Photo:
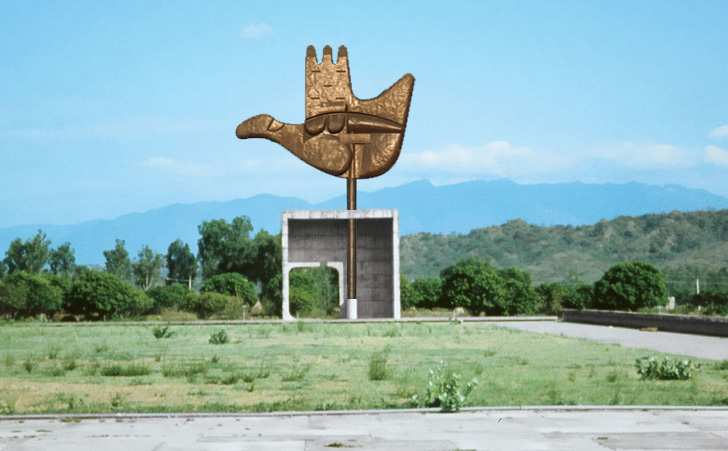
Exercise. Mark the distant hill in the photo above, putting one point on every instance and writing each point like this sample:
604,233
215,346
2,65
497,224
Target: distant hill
423,207
670,241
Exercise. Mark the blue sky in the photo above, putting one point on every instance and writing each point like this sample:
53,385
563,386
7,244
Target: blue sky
114,107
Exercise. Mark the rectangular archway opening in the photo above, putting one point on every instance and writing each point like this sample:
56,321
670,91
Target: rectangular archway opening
314,292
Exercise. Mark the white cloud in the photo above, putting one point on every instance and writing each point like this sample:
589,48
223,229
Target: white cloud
719,133
642,155
716,155
496,158
256,31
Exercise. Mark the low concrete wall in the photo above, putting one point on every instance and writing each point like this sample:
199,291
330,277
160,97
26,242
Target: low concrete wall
700,325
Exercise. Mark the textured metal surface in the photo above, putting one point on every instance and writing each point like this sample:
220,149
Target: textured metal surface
342,135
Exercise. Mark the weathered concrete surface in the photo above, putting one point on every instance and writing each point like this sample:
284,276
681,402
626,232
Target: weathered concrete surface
534,429
319,237
715,348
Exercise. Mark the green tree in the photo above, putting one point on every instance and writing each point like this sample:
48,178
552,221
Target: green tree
147,267
268,257
472,284
28,295
3,269
62,260
30,255
225,248
231,284
630,286
552,296
181,263
100,295
405,293
426,292
118,262
519,295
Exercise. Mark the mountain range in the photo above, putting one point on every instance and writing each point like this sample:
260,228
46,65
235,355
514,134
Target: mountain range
423,207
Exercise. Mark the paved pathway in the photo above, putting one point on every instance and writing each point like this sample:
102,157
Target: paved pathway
535,429
715,348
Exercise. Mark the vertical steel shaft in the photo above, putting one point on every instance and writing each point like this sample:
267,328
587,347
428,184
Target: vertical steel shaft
351,250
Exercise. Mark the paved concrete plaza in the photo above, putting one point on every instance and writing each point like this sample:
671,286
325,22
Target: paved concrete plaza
715,348
531,429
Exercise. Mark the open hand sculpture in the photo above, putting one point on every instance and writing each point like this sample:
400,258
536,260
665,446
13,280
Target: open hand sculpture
342,135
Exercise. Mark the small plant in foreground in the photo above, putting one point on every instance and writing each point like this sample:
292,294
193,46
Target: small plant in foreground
219,338
444,390
162,332
378,365
665,368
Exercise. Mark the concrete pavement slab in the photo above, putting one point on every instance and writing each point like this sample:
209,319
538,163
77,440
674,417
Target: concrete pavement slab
705,347
492,429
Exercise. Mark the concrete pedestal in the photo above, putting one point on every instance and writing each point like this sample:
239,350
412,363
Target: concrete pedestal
313,238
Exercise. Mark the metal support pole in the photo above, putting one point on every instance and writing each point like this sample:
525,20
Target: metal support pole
351,251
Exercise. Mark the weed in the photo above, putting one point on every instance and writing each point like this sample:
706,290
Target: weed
301,326
135,381
665,369
100,347
69,364
378,365
9,359
215,359
73,403
263,370
162,332
612,376
189,370
220,337
29,364
56,370
7,406
294,373
489,353
392,331
117,401
722,365
52,352
444,390
130,369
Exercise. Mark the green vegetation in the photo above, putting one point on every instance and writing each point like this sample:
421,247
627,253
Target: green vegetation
664,369
302,366
630,286
693,244
444,390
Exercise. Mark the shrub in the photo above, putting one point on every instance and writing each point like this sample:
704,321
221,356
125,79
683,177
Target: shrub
98,294
444,390
423,293
630,286
664,369
208,304
219,338
171,296
27,295
162,332
231,284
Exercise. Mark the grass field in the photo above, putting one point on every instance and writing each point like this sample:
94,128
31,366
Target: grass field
317,366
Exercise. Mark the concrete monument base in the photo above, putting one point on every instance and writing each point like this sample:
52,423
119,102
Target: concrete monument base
314,238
